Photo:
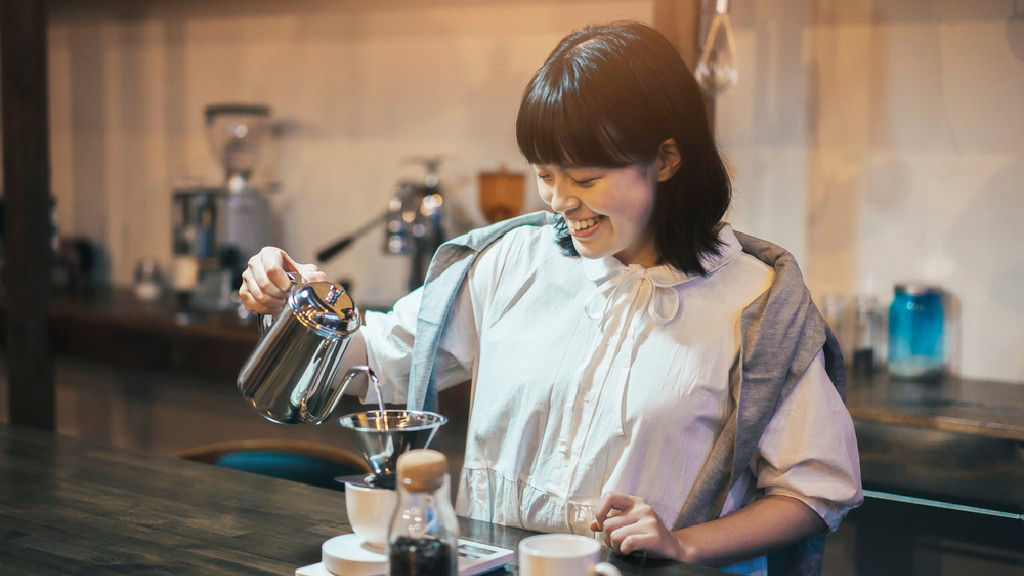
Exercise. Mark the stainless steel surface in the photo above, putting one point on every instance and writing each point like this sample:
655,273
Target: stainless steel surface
382,439
415,221
290,377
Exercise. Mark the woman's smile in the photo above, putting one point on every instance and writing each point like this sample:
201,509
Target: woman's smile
607,210
584,228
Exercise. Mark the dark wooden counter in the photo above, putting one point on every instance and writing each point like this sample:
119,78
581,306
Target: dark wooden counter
69,506
956,440
977,407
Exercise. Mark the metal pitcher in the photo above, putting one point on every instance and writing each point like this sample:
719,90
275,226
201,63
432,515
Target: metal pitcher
291,375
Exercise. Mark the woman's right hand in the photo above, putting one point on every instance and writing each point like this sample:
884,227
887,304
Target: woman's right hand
265,282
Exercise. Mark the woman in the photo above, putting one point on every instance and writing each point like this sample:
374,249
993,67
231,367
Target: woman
639,368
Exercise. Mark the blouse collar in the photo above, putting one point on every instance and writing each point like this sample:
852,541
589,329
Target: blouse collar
615,280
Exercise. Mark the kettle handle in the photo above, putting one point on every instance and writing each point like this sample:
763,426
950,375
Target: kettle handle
266,321
335,398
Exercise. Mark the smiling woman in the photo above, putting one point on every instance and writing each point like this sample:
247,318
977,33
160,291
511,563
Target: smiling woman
606,100
630,348
607,211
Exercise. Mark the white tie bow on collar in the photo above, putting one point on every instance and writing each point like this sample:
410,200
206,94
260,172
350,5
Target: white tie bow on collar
617,281
642,288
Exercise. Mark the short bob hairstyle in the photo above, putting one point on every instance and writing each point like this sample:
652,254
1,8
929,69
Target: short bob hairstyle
608,96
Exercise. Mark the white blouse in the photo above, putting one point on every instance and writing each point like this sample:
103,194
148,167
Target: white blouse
592,376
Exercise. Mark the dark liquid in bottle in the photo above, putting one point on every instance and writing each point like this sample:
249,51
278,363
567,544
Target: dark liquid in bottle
421,557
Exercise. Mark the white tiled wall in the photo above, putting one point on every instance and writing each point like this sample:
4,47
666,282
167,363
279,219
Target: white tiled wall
878,141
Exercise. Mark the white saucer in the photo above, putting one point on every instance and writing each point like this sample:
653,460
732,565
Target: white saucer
349,555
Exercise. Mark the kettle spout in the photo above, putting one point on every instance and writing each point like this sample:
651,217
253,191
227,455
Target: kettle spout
337,393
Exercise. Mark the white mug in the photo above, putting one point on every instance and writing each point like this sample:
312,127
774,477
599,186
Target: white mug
562,555
369,513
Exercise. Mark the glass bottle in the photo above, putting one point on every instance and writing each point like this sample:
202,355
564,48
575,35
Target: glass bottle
424,532
864,343
916,333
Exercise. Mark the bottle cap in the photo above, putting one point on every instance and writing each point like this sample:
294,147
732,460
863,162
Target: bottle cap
422,470
916,288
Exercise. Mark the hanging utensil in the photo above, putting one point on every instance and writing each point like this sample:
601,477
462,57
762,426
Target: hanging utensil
716,69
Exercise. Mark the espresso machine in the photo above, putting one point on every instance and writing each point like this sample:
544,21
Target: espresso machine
217,228
413,221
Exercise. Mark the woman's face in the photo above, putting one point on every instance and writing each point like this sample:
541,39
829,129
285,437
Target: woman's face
608,210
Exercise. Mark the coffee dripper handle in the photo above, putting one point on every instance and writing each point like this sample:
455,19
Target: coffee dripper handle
266,321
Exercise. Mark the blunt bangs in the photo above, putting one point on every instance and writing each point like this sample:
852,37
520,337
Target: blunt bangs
562,120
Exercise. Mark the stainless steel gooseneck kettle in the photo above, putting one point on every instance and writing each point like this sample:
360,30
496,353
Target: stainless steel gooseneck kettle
291,375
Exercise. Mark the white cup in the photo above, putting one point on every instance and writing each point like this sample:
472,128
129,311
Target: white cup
369,513
562,555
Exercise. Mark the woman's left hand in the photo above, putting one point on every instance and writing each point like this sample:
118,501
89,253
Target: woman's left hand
629,524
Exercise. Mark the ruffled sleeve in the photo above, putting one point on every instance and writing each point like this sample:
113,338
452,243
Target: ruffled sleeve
809,449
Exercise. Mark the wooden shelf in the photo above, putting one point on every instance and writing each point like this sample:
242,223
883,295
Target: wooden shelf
115,327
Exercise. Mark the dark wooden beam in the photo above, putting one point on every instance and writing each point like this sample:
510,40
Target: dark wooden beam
26,249
680,21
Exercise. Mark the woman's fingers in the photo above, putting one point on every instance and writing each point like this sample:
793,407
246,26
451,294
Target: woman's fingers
255,298
310,273
642,541
611,504
250,302
271,271
617,536
266,282
613,523
611,526
629,524
304,272
647,533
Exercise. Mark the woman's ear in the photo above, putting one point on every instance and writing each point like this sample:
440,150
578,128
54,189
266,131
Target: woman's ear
668,159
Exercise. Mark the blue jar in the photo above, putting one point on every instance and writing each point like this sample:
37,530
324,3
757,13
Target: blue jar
916,333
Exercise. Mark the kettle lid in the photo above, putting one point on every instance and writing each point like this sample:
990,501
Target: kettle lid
325,308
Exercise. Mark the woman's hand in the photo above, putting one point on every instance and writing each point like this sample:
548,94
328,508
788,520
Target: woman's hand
769,523
629,524
265,282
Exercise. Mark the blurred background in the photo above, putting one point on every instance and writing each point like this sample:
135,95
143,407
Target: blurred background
877,141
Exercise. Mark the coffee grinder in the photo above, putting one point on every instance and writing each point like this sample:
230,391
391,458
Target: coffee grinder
414,223
217,228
